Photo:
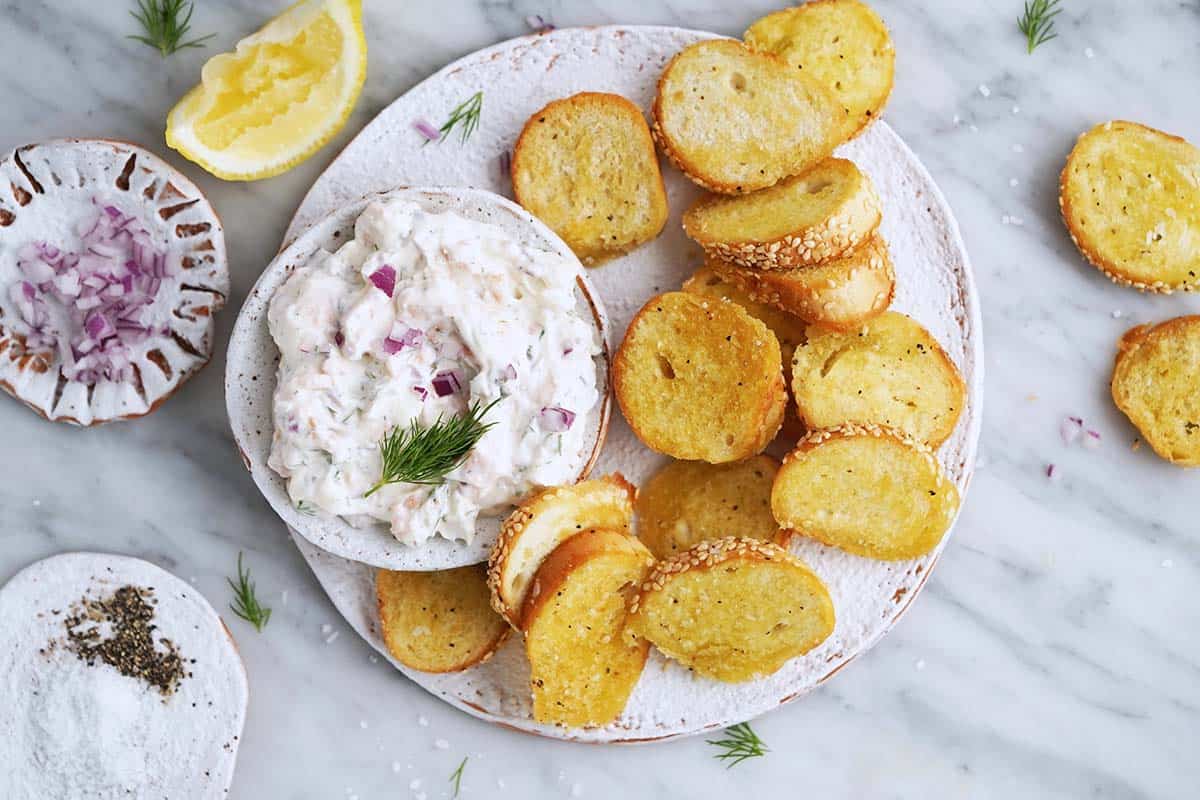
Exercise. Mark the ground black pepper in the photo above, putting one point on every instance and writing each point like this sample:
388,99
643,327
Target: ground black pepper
118,630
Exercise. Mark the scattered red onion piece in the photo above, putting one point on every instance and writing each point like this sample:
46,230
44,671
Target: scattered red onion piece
421,392
339,339
555,419
538,24
1070,428
1051,469
506,163
509,373
384,279
426,129
1091,439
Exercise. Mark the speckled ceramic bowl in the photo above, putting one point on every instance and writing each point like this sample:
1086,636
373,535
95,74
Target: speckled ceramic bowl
253,360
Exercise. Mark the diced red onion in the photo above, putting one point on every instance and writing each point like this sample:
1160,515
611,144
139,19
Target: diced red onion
568,351
506,163
555,419
538,24
103,288
410,338
1051,469
421,392
36,270
447,382
339,339
98,326
509,373
1091,439
384,279
426,129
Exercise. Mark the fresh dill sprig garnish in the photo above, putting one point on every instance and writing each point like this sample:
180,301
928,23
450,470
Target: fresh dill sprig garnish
426,455
467,113
456,777
166,23
740,743
245,604
1037,23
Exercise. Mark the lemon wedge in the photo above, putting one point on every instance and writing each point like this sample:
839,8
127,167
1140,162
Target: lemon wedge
282,94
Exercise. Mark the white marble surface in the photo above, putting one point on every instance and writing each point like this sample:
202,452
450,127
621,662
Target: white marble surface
1056,649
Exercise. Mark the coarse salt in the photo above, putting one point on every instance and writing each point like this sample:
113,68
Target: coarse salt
984,90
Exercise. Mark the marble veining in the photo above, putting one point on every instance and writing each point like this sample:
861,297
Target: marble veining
1056,649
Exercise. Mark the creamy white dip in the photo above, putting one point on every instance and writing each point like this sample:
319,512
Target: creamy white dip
470,315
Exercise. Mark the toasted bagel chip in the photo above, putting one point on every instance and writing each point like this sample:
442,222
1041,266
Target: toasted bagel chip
700,379
438,621
586,166
1156,383
890,372
1130,197
822,213
543,522
687,502
787,327
866,489
841,293
583,666
735,121
841,44
733,609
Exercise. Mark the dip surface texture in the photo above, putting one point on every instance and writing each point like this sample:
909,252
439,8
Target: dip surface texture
420,316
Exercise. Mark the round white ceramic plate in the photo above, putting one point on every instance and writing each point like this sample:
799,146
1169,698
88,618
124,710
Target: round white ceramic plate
935,286
251,366
72,729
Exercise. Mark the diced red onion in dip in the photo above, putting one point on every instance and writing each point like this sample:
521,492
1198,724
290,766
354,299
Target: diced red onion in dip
556,420
410,338
447,382
384,279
